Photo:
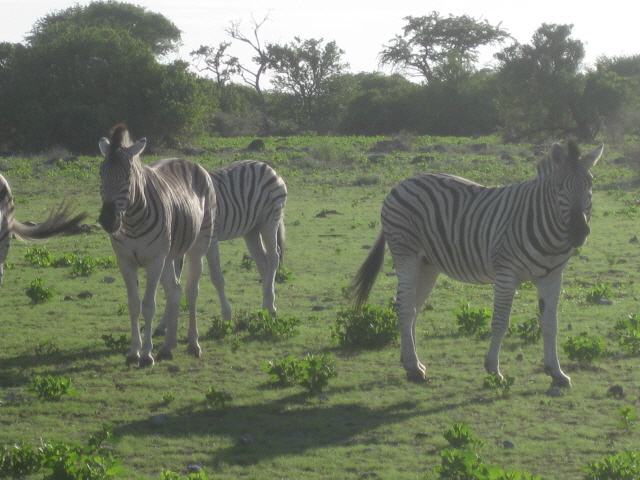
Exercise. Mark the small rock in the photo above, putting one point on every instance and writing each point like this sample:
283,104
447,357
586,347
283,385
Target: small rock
173,368
584,257
554,392
569,327
616,391
366,247
318,308
329,307
10,397
519,357
508,445
194,468
322,397
84,295
109,280
68,298
605,301
246,439
313,298
634,239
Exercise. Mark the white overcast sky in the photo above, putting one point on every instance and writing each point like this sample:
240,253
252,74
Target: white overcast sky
360,28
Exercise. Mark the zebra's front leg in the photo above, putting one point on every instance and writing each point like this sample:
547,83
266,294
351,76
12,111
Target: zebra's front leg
548,297
130,277
154,269
504,290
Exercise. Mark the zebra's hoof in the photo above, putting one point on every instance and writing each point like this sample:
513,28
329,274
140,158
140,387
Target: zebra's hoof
416,375
132,359
563,382
196,351
146,361
164,355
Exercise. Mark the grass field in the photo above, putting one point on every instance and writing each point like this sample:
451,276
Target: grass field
369,422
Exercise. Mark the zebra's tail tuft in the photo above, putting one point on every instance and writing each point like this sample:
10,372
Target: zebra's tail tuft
280,241
59,221
367,273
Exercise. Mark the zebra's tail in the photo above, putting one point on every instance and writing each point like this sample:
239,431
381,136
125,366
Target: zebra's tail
280,241
59,221
366,276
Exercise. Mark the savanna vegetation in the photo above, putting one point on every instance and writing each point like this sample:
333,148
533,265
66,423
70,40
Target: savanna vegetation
305,396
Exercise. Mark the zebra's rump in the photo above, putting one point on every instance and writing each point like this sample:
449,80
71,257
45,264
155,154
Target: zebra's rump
249,194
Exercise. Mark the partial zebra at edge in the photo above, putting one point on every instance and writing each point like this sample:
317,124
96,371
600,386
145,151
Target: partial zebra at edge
60,220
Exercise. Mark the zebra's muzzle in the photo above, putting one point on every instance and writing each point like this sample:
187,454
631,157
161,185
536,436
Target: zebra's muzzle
578,229
109,218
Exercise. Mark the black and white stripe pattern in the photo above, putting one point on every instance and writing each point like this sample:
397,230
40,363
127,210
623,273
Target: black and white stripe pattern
251,197
155,214
436,223
59,221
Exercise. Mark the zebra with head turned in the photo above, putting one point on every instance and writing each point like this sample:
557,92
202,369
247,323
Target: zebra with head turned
438,223
59,221
251,197
155,214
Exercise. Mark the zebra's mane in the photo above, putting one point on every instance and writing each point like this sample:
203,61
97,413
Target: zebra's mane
547,166
119,138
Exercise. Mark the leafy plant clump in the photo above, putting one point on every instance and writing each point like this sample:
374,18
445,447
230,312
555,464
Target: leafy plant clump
39,256
116,344
262,323
460,435
600,292
311,372
621,466
628,416
217,399
283,274
38,293
529,331
628,332
583,348
58,460
472,322
83,267
499,386
373,327
51,389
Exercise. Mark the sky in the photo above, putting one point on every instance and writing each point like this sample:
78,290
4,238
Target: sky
361,28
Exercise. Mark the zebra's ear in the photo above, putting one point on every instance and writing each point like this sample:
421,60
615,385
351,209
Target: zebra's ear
558,154
138,147
592,158
104,146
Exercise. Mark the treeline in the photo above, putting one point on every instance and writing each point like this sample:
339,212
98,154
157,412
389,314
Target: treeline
86,68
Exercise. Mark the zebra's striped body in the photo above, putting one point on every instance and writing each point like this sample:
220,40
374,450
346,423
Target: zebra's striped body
251,198
59,221
155,214
437,223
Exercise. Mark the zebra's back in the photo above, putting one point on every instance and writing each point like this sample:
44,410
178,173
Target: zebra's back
249,194
466,230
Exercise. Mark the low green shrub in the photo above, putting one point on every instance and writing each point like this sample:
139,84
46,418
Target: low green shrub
599,292
473,322
621,466
627,330
39,256
499,386
50,388
38,293
261,323
117,344
373,327
583,348
311,372
528,331
217,399
460,435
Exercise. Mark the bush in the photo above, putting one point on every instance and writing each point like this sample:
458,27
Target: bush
583,348
373,327
262,323
217,399
39,256
51,389
622,466
472,322
38,293
528,331
599,292
459,435
311,372
628,332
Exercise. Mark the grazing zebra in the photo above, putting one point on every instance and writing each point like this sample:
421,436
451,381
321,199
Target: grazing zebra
250,203
59,221
437,223
155,214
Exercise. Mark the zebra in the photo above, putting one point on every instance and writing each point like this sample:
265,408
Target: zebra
155,214
59,221
439,223
251,198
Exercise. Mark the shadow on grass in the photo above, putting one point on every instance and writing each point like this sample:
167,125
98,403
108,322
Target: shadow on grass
16,371
265,431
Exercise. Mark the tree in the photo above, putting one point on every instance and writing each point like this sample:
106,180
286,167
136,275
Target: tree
434,46
306,69
541,83
152,29
69,89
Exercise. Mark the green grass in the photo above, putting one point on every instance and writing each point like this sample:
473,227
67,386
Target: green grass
369,419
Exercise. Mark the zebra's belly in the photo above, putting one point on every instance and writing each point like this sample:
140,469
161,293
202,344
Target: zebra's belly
134,252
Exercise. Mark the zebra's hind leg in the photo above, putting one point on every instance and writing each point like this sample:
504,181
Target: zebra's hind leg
548,296
217,279
162,326
415,282
504,289
266,257
194,272
173,294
